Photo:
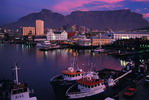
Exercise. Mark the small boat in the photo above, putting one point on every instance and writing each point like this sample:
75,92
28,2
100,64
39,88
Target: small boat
43,44
20,91
89,85
100,50
52,47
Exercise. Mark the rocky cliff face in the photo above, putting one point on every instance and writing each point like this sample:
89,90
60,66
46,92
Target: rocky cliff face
117,20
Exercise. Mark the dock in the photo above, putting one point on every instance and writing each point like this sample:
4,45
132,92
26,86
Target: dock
52,48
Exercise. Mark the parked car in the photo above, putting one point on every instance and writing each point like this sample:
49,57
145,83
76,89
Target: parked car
146,79
130,91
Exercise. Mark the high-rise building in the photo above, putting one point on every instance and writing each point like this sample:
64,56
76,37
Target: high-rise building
39,27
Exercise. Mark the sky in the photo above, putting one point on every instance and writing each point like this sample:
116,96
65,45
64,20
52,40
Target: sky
12,10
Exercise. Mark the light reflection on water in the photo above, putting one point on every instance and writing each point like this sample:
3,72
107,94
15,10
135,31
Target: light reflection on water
37,67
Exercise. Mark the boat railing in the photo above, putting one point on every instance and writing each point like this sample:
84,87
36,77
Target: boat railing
52,79
67,92
116,80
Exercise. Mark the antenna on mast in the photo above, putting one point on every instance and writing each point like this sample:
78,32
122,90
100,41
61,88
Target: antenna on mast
16,74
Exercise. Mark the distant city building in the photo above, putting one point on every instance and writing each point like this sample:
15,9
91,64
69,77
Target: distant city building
39,27
74,28
57,35
82,29
129,35
28,31
1,36
71,34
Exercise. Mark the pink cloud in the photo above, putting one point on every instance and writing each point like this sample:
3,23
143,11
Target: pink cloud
138,10
70,5
146,15
141,0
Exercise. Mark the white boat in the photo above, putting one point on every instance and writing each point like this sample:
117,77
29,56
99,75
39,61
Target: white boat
89,85
100,50
20,91
44,44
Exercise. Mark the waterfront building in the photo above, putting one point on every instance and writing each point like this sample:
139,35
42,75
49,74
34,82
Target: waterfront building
39,27
84,42
101,40
28,31
129,35
58,36
77,37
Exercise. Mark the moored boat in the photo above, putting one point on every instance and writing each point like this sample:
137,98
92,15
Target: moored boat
44,44
89,85
20,91
100,50
66,79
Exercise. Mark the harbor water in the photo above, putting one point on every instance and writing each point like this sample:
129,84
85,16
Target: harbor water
38,67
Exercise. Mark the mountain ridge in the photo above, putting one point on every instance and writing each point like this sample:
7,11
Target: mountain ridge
116,19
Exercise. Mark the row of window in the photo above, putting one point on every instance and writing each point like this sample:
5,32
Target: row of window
20,96
72,75
19,91
90,86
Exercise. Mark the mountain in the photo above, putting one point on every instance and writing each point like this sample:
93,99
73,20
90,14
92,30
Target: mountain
117,19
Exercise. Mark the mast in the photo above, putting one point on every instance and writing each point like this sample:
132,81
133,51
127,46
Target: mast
16,74
100,40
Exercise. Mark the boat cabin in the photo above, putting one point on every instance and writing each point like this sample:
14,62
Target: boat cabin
19,91
90,82
19,88
71,74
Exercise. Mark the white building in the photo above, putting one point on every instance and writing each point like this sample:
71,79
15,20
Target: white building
57,35
129,35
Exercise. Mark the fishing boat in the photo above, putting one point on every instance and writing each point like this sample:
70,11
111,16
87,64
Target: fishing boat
92,84
20,91
66,79
89,85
